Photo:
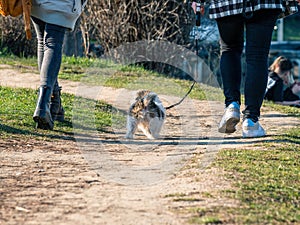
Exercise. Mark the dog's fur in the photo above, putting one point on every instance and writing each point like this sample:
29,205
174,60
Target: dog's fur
147,113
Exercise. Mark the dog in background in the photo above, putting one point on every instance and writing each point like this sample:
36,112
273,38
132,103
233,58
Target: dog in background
147,113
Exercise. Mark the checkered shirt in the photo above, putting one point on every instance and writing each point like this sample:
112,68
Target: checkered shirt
222,8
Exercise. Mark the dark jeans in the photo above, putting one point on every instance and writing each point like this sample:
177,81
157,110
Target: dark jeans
258,32
50,39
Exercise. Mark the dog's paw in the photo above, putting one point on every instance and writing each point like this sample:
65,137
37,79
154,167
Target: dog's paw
128,136
150,136
156,136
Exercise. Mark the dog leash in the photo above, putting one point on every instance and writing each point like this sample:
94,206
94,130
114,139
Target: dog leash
199,10
191,88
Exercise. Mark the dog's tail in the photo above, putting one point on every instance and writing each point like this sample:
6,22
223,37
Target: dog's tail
191,88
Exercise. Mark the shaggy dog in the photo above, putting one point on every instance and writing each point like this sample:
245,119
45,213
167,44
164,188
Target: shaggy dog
147,113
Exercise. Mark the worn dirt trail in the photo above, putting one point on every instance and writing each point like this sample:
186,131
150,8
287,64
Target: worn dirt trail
101,178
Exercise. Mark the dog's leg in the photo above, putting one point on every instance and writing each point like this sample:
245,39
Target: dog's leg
155,127
145,129
131,127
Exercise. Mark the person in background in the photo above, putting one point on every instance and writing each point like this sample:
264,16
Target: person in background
252,21
292,94
290,80
296,71
279,77
51,19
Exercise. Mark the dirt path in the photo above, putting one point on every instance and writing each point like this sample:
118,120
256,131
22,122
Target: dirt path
100,178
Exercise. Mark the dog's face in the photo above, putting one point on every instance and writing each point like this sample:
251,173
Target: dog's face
146,104
146,113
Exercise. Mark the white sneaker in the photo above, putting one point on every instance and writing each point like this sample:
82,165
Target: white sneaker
251,129
230,118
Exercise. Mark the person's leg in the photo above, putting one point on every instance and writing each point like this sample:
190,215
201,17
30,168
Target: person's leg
231,31
53,53
258,39
40,30
39,27
53,41
56,109
50,40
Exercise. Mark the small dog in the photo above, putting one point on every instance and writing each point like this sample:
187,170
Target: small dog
147,113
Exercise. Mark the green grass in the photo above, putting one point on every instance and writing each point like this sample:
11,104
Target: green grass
267,180
17,62
109,74
106,73
17,105
265,184
205,220
17,108
294,111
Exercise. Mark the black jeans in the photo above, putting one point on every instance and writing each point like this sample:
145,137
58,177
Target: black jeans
257,32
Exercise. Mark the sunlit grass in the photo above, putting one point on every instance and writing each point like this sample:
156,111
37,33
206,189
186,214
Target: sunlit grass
18,105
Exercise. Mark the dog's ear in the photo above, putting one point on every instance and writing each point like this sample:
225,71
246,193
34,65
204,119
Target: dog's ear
150,98
140,94
158,103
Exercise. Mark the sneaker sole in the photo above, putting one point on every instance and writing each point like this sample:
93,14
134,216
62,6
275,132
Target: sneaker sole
253,134
229,126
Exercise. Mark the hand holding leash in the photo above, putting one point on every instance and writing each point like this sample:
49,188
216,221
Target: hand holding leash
199,11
